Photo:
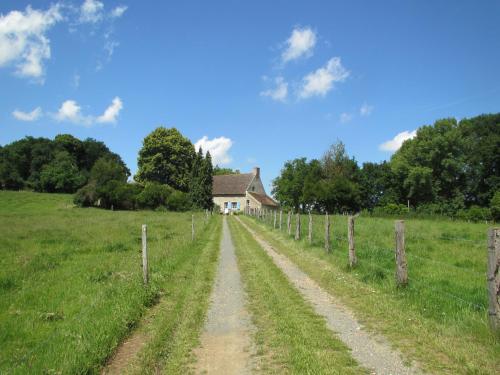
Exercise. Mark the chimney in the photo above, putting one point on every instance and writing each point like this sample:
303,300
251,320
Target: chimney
256,172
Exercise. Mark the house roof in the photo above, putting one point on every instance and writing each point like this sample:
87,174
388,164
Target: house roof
231,184
264,199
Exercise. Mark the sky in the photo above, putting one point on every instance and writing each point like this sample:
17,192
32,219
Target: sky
255,82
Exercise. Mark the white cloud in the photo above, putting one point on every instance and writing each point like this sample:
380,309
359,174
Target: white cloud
218,148
366,109
395,143
345,117
23,39
71,111
27,116
300,43
280,92
118,11
91,11
321,81
112,112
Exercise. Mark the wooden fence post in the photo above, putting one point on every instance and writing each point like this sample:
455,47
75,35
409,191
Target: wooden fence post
350,236
327,233
192,227
145,254
275,214
493,278
297,227
289,223
281,218
401,265
310,235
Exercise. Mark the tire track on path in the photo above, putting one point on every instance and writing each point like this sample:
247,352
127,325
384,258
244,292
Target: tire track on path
371,351
226,345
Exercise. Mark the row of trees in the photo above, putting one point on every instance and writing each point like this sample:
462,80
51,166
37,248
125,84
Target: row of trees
61,165
448,168
170,175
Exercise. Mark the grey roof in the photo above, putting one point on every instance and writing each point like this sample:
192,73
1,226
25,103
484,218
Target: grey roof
231,184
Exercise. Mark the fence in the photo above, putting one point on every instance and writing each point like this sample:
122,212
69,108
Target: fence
415,257
88,310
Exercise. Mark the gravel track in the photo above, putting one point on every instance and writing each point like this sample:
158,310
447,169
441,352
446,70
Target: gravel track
371,351
226,345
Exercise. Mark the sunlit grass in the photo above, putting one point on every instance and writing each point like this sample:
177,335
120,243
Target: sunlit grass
441,317
71,279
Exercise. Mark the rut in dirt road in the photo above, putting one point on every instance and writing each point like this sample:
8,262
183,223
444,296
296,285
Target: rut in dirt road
226,345
372,352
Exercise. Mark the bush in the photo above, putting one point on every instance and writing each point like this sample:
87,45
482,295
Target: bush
475,213
118,194
495,206
154,195
86,196
178,201
391,209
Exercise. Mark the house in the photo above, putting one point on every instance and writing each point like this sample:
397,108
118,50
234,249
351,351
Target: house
241,192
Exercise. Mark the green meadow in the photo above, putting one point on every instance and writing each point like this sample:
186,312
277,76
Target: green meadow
440,318
71,280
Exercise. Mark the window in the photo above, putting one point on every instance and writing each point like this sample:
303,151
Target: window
234,205
248,202
225,204
253,188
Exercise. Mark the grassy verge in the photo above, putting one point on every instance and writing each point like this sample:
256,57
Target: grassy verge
290,337
178,321
425,320
70,279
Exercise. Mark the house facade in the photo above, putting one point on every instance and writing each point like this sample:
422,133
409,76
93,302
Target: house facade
241,192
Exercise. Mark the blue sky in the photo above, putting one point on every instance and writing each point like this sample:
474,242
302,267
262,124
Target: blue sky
258,82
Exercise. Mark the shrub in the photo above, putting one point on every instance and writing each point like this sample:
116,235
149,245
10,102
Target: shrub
391,209
495,206
154,195
178,201
475,213
86,196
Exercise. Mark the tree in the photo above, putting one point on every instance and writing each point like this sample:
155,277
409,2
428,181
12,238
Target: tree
288,187
207,182
61,175
196,180
23,160
217,171
376,185
166,157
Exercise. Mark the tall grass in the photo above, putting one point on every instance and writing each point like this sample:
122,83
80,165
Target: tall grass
70,278
446,296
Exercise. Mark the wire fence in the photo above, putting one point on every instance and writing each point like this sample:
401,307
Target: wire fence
433,271
85,314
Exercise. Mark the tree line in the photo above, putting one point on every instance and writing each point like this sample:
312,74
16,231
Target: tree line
171,173
450,168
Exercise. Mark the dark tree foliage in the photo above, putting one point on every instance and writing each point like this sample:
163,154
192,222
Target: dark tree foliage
196,190
61,175
450,168
217,171
166,157
208,202
200,185
45,165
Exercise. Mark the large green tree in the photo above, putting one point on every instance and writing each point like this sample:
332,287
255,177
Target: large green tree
166,157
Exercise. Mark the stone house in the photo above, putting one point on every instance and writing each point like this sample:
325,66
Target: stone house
241,192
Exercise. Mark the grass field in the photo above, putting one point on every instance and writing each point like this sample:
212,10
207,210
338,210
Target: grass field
290,337
71,281
440,319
